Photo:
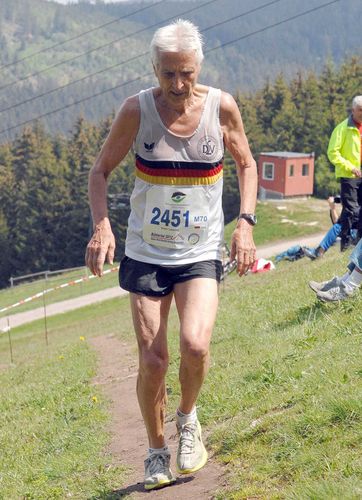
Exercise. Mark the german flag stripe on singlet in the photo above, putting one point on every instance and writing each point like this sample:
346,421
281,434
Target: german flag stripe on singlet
178,172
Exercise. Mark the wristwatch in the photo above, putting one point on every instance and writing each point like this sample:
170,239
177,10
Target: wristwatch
251,218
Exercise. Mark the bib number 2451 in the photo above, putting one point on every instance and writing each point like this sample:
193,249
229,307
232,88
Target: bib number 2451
173,218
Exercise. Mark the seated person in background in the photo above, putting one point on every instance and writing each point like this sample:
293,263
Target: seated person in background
332,235
342,287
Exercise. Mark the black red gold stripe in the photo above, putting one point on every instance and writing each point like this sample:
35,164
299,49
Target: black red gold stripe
178,173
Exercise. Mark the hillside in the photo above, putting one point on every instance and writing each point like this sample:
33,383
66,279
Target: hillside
281,405
117,54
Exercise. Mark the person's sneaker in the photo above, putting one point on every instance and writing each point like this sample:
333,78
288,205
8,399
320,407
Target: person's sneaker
323,286
310,252
191,453
339,292
157,471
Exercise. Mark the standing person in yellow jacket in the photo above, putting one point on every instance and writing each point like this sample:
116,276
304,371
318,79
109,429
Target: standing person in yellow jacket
345,152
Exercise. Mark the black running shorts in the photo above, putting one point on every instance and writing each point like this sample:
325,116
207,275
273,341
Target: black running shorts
156,281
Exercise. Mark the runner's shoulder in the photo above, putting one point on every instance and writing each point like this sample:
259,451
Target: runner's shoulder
130,111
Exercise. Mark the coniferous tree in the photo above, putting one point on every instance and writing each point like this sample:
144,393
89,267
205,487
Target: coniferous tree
248,106
82,150
286,121
5,200
39,200
231,197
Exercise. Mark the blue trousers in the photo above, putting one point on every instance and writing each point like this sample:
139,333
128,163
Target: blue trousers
356,256
331,236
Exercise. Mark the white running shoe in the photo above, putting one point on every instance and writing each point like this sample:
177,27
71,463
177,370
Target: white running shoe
323,286
339,292
157,471
191,453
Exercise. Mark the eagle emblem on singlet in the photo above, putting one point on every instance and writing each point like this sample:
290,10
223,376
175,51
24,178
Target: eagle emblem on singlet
149,147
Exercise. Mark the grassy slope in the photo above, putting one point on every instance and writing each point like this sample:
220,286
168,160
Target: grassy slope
283,396
284,391
10,296
52,420
285,219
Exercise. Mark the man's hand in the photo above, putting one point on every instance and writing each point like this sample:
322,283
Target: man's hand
331,203
356,172
243,247
100,248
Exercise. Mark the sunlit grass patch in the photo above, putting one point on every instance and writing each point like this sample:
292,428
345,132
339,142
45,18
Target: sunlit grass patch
53,421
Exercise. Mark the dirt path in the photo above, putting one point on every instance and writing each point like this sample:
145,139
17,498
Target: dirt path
117,372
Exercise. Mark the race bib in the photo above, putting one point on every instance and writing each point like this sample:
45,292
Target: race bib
176,217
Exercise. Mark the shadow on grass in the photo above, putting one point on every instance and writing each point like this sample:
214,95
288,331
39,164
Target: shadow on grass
305,314
138,488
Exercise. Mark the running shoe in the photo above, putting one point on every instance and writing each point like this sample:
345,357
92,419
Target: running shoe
323,286
191,453
339,292
157,471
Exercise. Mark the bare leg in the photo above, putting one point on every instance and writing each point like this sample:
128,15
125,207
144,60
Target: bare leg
150,315
196,302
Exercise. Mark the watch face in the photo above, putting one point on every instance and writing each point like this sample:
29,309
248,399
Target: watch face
251,218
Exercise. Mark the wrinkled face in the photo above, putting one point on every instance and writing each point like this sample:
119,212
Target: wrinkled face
177,74
357,114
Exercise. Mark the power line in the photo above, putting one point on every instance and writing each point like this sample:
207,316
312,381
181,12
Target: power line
276,24
261,30
22,79
77,102
31,99
251,11
72,83
76,37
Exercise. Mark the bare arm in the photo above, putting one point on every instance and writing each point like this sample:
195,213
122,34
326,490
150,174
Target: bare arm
242,244
332,209
119,141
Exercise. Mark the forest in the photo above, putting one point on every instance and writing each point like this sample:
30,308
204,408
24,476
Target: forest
44,215
58,62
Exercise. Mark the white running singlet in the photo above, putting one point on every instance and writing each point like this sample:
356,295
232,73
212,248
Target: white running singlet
176,204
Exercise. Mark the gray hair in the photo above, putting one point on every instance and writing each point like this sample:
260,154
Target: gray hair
357,101
179,36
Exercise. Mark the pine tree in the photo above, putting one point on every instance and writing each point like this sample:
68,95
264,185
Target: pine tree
39,193
5,200
82,150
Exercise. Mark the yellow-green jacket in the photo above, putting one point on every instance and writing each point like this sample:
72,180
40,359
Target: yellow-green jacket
344,149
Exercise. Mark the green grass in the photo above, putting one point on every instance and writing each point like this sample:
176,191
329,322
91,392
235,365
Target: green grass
12,295
53,421
284,219
284,391
282,401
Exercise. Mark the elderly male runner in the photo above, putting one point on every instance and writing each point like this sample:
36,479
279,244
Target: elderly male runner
175,230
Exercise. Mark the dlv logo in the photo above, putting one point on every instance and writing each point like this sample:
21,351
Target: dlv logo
208,148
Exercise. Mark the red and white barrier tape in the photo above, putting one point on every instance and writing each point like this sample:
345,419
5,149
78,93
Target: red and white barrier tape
64,285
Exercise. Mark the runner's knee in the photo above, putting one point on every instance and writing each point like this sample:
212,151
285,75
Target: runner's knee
153,364
194,350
